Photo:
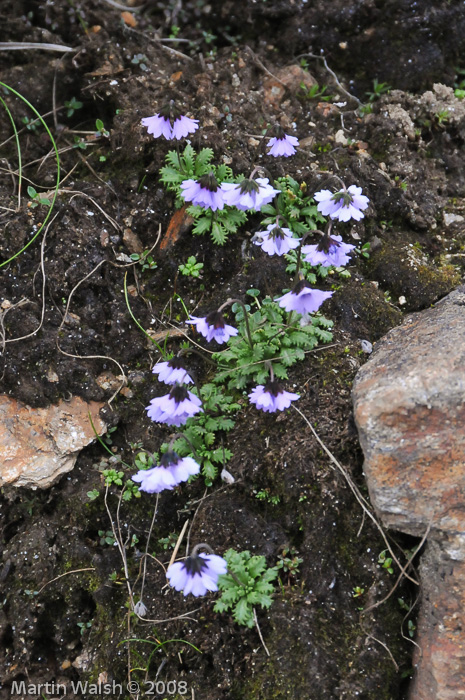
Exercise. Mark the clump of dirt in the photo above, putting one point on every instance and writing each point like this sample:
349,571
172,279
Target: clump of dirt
67,330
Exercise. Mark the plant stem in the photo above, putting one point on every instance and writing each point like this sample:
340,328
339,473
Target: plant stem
246,316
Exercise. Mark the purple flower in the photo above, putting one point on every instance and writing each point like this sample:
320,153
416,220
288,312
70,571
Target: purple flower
172,372
277,240
155,480
342,205
329,251
271,397
213,327
171,472
174,408
248,194
197,574
282,145
205,192
161,125
303,299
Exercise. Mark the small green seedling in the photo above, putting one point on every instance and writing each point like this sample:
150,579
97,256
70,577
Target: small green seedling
106,537
36,198
100,129
289,562
386,562
145,260
192,268
72,105
378,90
30,124
84,626
140,59
170,541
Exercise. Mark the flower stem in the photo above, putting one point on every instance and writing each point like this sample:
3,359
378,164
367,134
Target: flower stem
177,436
246,317
201,545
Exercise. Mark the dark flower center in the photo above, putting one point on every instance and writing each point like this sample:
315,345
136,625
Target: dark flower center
178,393
247,186
169,111
273,388
299,287
169,459
195,565
209,182
343,195
215,319
280,134
277,232
176,363
326,243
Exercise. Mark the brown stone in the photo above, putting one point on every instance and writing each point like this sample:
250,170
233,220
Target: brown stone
290,77
409,403
37,445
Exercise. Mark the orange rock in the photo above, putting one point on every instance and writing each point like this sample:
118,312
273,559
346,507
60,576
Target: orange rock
180,222
409,408
129,19
290,77
37,445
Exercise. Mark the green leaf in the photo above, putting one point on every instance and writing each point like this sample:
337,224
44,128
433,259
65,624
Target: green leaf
209,470
202,225
168,175
243,614
218,234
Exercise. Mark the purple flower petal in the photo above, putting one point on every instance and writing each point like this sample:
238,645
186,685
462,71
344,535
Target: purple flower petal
271,397
282,146
276,240
174,408
248,194
172,372
213,327
158,126
155,480
342,205
202,196
184,469
197,574
183,126
337,255
303,299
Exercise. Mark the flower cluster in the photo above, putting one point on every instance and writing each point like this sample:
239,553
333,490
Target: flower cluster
172,471
197,574
250,194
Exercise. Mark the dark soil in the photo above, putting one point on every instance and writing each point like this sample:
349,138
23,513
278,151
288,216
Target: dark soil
111,205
